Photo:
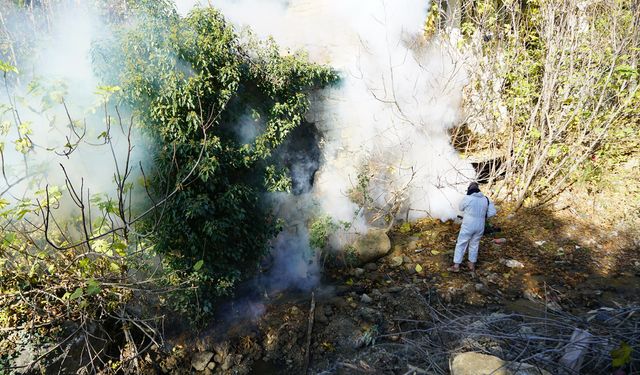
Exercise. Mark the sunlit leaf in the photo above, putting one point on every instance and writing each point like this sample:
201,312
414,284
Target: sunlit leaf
76,294
93,287
198,265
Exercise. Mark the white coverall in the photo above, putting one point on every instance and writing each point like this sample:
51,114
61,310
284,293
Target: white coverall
476,207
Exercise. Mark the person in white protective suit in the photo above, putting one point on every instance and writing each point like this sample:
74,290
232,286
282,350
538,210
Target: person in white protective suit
476,208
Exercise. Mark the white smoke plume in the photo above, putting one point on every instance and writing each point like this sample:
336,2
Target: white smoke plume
60,73
397,98
385,125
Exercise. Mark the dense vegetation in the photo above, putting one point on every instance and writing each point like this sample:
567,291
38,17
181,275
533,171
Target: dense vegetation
74,262
554,92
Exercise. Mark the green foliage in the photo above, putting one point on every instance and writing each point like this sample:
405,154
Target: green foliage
320,230
405,228
79,284
431,24
7,68
621,356
189,81
350,255
559,83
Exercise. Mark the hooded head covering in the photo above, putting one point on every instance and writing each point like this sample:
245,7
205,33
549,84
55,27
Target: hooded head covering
473,188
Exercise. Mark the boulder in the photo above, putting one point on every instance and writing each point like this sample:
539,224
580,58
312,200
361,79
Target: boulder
371,246
471,363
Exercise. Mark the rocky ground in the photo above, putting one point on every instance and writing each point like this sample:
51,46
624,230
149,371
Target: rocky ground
550,271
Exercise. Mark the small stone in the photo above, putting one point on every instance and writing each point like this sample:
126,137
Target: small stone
370,266
475,363
374,276
413,244
397,249
294,310
358,272
499,241
365,299
217,358
406,259
369,315
540,243
227,363
479,287
410,268
328,310
394,289
512,263
211,365
396,261
200,360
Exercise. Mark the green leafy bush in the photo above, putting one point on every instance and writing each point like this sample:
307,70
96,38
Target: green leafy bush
190,81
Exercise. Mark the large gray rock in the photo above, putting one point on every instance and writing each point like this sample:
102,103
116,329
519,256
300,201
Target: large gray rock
371,246
471,363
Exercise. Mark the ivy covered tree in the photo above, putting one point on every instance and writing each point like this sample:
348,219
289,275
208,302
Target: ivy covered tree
195,85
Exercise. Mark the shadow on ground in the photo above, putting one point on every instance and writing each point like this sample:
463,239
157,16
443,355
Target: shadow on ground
406,314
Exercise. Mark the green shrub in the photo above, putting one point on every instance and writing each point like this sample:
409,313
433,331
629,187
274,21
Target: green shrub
190,81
